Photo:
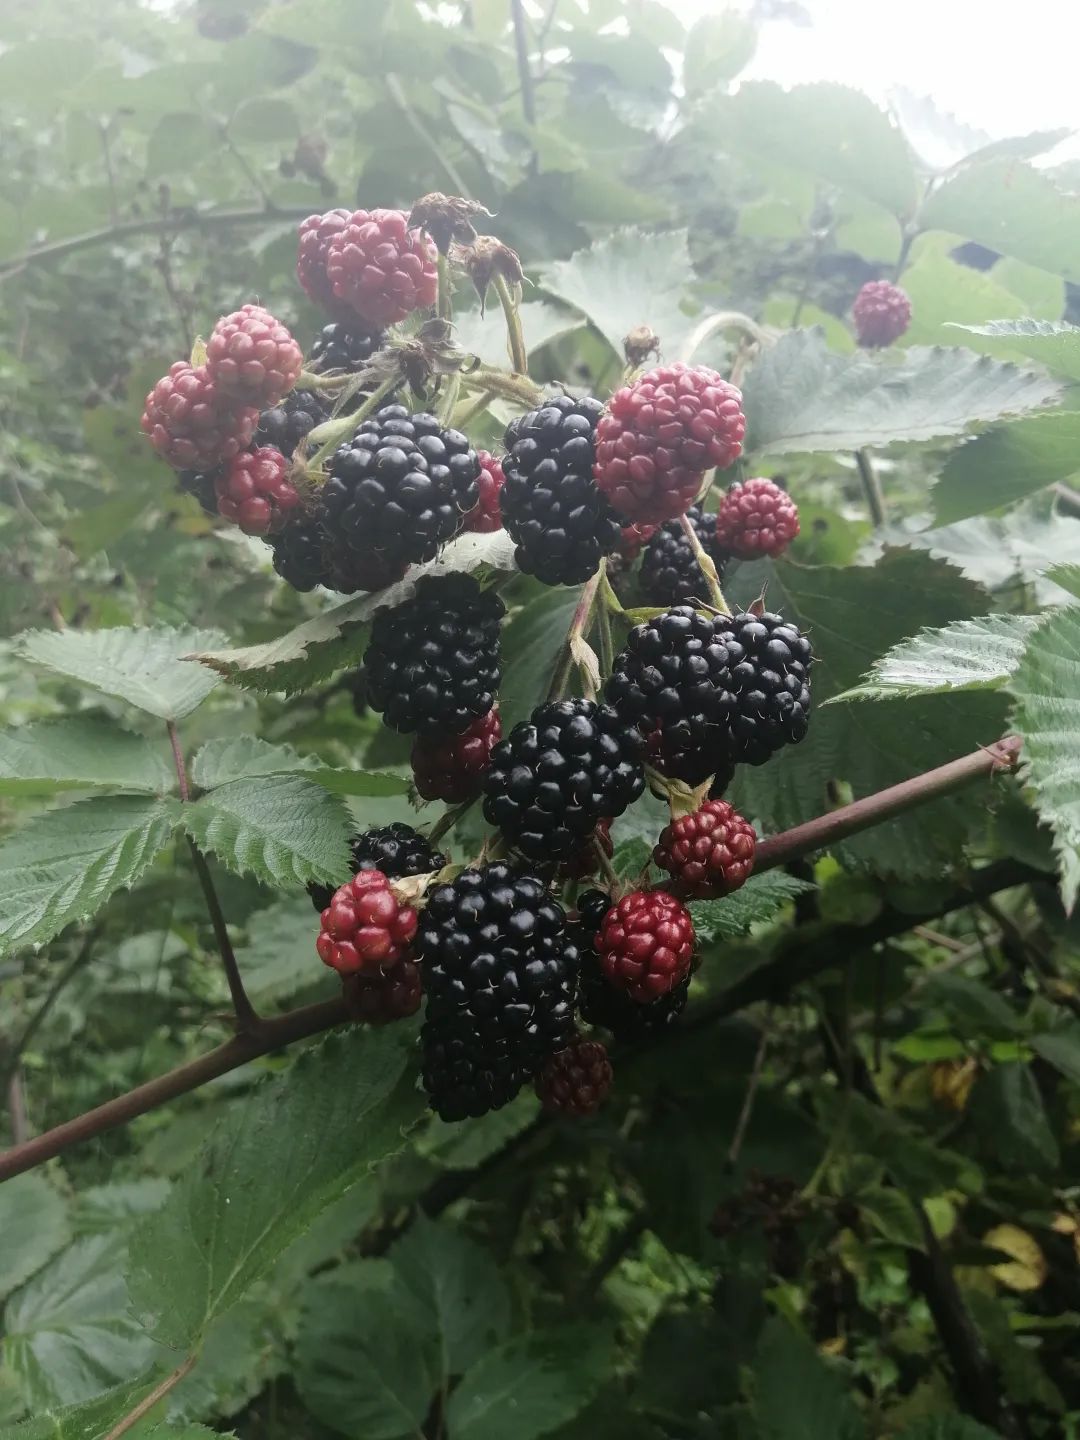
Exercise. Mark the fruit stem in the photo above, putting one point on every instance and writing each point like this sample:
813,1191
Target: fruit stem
705,564
510,387
469,414
448,819
449,398
444,304
329,435
578,625
603,623
519,355
721,320
147,1404
875,496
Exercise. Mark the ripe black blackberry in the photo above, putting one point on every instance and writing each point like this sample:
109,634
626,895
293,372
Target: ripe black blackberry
300,554
286,424
670,573
345,347
397,850
674,680
201,485
603,1004
770,662
400,488
432,664
500,972
571,764
551,504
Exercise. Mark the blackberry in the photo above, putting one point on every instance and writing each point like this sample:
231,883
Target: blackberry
577,1080
200,484
601,1004
670,573
551,505
397,850
500,966
288,423
571,764
432,664
345,347
770,662
300,555
674,680
400,487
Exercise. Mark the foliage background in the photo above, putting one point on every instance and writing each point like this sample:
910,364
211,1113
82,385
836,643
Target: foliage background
920,1080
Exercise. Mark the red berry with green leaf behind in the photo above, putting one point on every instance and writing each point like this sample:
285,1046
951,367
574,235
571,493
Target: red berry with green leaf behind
646,944
882,313
710,852
365,928
253,357
756,518
659,436
385,996
577,1080
380,268
633,537
486,515
191,424
452,768
254,491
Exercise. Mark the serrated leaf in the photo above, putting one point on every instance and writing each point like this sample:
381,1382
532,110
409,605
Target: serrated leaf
796,1395
464,1147
144,667
543,1379
1061,1048
531,644
1068,577
283,1154
65,864
68,1333
314,650
919,1165
630,277
34,1224
1008,464
241,756
827,130
1010,1117
967,655
283,829
105,1207
801,397
485,335
893,1216
89,1421
276,960
1046,690
457,1284
1052,343
80,753
757,902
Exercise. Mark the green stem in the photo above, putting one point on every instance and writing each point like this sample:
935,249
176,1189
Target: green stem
448,820
330,434
444,305
449,397
511,387
706,565
603,623
576,632
875,497
519,356
478,407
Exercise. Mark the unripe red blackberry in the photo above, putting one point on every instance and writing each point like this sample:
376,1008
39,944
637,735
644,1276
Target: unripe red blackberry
397,850
882,313
432,664
344,347
383,997
571,764
632,538
253,357
756,518
606,1005
659,436
255,492
191,424
314,238
577,1080
365,927
646,944
711,851
380,268
452,767
486,515
551,506
670,573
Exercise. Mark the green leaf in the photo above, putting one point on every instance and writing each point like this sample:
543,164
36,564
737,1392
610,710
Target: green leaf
283,829
464,1147
975,1010
947,1427
1068,577
758,901
542,1379
826,130
282,1155
1046,689
68,1333
1007,465
800,397
1025,544
1012,208
241,756
628,278
104,1207
34,1224
943,291
1052,343
1061,1048
65,864
797,1396
314,650
717,48
457,1285
919,1165
893,1216
180,142
1009,1115
89,1421
276,960
144,667
264,120
967,655
485,335
365,1361
531,644
80,753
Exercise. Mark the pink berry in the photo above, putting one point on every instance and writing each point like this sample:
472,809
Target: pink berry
711,852
380,268
882,313
191,423
253,356
645,944
365,927
756,518
486,515
254,491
